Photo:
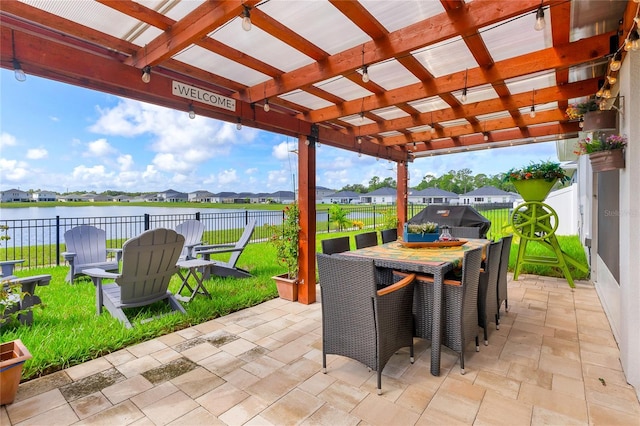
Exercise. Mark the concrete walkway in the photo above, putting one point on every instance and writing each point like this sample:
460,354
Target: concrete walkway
553,361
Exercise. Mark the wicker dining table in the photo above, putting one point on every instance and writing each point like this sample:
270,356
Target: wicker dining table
436,261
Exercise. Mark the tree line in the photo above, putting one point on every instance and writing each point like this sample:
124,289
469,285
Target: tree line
457,181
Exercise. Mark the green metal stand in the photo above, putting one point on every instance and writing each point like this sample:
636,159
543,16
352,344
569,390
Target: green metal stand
535,221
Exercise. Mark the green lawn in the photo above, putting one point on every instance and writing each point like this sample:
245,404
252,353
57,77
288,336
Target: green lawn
67,331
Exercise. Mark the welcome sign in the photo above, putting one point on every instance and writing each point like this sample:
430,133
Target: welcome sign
196,94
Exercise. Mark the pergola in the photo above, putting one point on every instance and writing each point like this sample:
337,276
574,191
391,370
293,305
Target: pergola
391,79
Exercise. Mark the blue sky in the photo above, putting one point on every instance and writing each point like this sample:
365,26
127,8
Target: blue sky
58,137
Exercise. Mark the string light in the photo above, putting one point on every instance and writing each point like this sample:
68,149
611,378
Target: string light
532,114
18,72
246,18
540,22
266,106
464,91
239,124
365,74
146,74
192,113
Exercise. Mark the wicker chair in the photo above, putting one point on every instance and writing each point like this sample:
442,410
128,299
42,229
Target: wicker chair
389,235
502,276
460,308
488,287
335,245
359,321
367,239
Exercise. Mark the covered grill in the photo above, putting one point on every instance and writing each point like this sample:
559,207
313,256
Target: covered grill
453,216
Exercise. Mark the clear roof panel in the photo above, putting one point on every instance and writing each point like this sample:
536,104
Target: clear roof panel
391,75
452,123
344,88
418,129
305,99
219,65
261,45
493,116
357,120
446,57
397,14
516,37
433,103
390,113
175,10
389,133
531,82
317,21
477,94
90,14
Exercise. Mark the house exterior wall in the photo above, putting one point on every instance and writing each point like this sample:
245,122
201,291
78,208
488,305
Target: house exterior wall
14,195
620,300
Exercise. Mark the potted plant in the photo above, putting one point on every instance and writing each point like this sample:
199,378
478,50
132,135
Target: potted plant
285,239
420,232
13,354
534,181
577,111
604,153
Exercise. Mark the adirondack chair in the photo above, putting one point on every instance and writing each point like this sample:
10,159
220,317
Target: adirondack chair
87,248
228,269
24,301
192,231
148,263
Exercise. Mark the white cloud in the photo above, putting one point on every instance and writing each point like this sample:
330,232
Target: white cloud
251,171
125,162
171,163
13,170
282,151
227,177
280,180
37,153
99,148
7,140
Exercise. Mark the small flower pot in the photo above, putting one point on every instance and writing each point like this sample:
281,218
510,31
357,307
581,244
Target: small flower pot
287,287
604,161
534,189
12,356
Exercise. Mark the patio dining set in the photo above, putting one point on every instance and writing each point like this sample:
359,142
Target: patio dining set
377,298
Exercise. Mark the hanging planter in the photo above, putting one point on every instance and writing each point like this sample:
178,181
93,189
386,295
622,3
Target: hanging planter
604,161
606,119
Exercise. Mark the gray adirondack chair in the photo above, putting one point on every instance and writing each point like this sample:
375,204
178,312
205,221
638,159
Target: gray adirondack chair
192,231
148,263
87,248
229,268
24,301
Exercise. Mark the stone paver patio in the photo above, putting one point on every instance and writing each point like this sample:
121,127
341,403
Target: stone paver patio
553,361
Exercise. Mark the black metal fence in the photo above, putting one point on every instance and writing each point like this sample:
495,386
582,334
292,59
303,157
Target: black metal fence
41,241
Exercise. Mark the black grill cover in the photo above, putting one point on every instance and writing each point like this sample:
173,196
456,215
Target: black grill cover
453,216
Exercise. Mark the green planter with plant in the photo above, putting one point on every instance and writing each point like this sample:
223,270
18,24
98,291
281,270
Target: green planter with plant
535,181
285,239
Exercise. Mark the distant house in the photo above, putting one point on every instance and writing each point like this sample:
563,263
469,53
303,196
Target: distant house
171,196
322,192
431,196
43,196
14,195
342,197
283,197
201,196
95,198
487,194
384,195
121,198
226,197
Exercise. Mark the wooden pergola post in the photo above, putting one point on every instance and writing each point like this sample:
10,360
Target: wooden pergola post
307,204
402,191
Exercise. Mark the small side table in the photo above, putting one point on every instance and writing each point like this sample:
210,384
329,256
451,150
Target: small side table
196,268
